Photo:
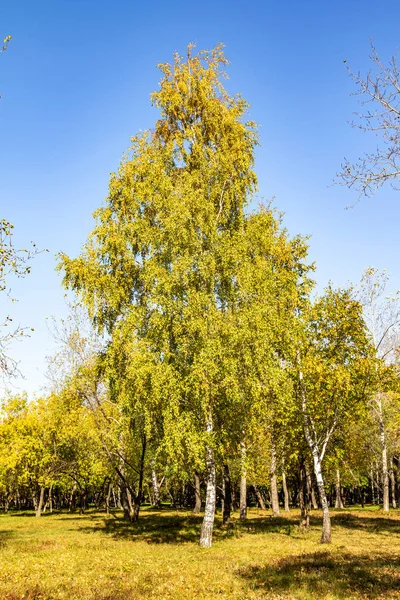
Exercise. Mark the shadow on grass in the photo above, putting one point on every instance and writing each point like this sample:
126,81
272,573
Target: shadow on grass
321,573
159,528
4,536
371,524
152,528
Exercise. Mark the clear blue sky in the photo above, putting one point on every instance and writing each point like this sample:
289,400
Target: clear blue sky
75,85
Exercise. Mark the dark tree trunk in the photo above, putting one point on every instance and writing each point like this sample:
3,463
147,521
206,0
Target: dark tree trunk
226,513
259,497
197,493
138,498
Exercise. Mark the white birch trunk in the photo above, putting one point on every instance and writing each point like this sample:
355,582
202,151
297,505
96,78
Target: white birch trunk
156,489
243,482
326,519
393,484
274,485
385,474
285,489
209,509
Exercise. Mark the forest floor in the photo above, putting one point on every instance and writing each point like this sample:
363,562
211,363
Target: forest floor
91,557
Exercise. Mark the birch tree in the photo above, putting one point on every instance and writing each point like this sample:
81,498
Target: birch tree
331,375
382,315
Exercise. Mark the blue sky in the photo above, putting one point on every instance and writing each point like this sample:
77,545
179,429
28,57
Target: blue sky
75,85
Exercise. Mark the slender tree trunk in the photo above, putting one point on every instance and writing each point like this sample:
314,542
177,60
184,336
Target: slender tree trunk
138,498
326,519
385,475
156,489
243,482
274,486
304,497
226,513
40,503
197,493
126,501
259,497
338,499
72,498
209,509
310,487
372,488
285,489
378,486
392,484
108,497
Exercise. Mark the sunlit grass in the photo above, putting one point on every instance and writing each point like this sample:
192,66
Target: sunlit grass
88,556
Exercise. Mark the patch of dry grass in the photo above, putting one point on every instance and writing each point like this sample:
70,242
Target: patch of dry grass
87,557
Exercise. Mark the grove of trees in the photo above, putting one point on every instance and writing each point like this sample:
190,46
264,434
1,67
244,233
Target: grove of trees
198,366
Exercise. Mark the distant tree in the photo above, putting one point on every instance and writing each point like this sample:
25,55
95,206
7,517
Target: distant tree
380,98
382,315
13,262
333,360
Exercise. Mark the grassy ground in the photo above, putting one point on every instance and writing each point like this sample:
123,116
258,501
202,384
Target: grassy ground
70,556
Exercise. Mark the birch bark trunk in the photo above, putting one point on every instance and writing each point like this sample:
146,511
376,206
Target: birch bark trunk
326,537
274,486
243,483
156,489
338,499
392,484
285,489
382,435
209,509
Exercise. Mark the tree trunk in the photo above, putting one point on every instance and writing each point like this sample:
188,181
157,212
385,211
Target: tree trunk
243,482
385,474
326,519
392,484
108,497
260,499
372,488
310,487
285,489
126,501
156,489
40,503
226,513
138,497
338,499
274,486
304,497
197,493
72,498
209,509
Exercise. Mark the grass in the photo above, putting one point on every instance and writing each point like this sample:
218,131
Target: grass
89,557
